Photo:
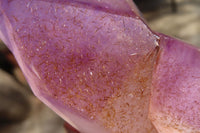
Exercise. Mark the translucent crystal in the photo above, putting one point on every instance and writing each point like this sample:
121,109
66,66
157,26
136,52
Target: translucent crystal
91,62
175,99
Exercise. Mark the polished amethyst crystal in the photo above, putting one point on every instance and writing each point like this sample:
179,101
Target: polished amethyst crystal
92,62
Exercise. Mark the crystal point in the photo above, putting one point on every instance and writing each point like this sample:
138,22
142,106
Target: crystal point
85,60
175,99
92,62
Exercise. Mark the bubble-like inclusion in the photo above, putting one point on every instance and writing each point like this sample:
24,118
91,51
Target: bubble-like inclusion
90,63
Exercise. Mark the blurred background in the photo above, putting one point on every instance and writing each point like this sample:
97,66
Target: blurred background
22,112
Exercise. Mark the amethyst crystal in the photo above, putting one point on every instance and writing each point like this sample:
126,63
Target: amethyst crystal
175,99
92,62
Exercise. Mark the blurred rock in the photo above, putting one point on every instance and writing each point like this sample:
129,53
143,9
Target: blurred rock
14,103
5,64
149,5
40,120
185,24
20,77
2,46
21,112
10,65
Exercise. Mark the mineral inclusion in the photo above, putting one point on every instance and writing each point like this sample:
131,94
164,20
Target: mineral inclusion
98,65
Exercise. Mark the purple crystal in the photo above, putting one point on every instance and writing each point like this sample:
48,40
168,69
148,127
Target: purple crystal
92,61
175,99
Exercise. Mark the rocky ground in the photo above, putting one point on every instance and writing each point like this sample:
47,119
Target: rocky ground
22,112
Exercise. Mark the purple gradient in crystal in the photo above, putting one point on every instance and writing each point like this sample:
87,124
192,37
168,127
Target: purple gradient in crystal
92,62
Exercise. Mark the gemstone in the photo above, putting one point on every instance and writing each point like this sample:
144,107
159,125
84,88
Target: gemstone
175,99
91,61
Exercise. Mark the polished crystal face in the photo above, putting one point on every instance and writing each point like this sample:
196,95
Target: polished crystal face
92,62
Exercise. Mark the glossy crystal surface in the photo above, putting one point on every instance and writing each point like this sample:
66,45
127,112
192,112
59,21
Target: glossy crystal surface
92,62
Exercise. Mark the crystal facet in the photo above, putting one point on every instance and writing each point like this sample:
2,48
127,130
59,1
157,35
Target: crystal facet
92,62
175,96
